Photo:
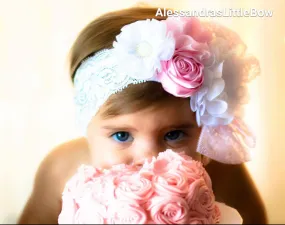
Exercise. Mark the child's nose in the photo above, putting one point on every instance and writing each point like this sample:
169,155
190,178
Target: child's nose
146,150
140,161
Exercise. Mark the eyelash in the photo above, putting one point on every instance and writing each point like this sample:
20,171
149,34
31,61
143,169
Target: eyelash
112,136
179,137
180,133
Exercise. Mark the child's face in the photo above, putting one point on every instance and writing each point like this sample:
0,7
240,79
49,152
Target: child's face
133,137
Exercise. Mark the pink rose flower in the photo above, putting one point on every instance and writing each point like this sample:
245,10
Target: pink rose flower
145,167
168,210
168,160
172,183
84,175
118,172
198,218
162,164
82,192
135,189
103,189
90,213
123,168
87,173
183,74
69,208
169,189
201,198
124,213
171,156
207,179
216,215
194,171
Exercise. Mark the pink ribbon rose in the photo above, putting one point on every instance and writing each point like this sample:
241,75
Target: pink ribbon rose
183,74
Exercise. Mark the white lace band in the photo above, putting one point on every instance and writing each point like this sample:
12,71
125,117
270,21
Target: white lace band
189,63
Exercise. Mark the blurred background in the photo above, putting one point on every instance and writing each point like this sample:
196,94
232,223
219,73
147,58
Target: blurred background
36,105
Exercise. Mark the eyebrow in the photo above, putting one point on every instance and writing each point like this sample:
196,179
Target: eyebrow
172,126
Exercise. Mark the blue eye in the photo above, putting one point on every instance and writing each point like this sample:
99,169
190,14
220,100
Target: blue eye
122,137
174,135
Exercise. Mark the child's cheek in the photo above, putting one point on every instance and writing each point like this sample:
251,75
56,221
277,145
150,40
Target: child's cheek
105,153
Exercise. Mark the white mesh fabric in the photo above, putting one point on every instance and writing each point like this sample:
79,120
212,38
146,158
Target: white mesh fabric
95,81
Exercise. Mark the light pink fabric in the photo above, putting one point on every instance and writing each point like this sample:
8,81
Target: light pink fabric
183,74
228,144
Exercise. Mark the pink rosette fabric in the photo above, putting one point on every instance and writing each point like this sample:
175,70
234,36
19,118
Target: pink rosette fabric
169,189
183,74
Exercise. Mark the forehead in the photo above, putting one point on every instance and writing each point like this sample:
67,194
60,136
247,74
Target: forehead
165,114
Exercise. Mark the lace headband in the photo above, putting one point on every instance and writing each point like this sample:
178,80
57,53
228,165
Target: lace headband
188,60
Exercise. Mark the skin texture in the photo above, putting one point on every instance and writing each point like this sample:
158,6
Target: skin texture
149,130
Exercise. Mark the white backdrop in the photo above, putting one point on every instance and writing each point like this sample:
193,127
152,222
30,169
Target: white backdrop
36,108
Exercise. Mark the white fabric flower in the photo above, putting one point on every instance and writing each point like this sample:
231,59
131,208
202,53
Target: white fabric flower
141,46
210,102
